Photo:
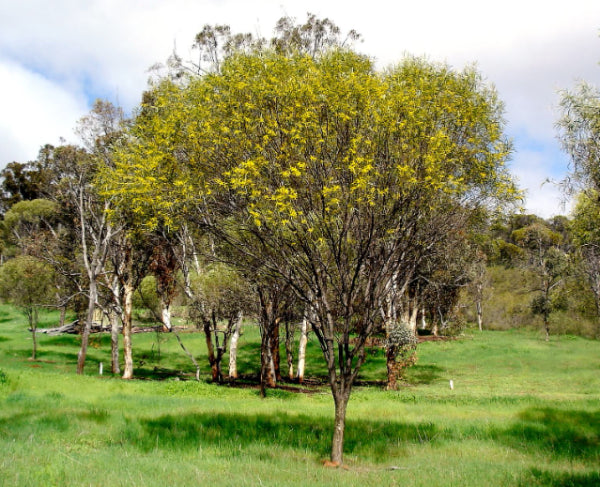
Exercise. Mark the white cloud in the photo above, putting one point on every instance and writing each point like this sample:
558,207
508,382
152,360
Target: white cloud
35,111
543,195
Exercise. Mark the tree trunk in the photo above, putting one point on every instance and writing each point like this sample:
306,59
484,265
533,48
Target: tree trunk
289,348
211,351
392,368
233,347
479,314
85,335
275,355
166,316
267,369
340,398
63,314
114,343
423,319
33,326
127,345
267,322
302,349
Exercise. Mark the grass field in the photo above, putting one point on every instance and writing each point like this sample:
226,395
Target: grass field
523,412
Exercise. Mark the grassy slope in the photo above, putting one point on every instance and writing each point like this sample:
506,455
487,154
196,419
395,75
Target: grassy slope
523,412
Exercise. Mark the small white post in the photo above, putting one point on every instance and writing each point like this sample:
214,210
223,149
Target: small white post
100,368
451,385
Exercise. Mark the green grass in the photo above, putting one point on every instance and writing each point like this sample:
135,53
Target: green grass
523,412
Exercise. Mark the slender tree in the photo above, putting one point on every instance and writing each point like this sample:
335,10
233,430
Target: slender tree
27,283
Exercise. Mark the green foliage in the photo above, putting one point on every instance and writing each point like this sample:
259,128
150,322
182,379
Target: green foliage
221,290
26,282
579,133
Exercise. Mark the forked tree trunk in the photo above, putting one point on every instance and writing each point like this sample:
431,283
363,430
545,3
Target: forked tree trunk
127,345
233,348
114,343
302,349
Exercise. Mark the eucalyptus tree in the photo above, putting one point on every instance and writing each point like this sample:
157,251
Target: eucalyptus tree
75,170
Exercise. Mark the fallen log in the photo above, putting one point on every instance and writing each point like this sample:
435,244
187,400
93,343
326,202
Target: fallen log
73,328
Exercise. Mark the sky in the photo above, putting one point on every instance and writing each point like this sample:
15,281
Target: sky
57,57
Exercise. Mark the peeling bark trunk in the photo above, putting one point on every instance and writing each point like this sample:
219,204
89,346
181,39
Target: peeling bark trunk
479,306
127,345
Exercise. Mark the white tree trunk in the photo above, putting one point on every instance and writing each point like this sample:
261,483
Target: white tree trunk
233,348
127,346
302,349
166,316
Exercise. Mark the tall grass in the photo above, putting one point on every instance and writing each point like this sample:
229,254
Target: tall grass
523,412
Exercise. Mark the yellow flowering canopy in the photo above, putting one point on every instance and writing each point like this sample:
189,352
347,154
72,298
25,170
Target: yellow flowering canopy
296,140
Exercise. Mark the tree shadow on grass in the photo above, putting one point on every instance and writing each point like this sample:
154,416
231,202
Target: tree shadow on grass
423,374
61,340
373,439
562,434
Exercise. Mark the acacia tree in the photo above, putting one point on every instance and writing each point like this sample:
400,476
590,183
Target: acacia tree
322,170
